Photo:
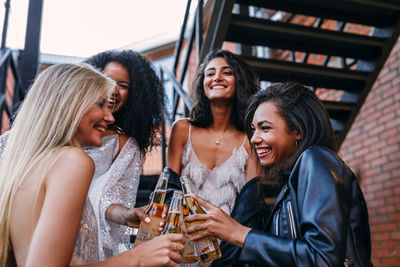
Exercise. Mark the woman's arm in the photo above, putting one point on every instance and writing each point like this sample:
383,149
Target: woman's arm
163,250
177,141
66,187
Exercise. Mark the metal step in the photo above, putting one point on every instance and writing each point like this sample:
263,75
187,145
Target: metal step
147,184
376,13
255,31
311,75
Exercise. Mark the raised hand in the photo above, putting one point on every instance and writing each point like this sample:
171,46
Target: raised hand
217,223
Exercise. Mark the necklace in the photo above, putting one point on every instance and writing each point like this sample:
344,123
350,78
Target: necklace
218,141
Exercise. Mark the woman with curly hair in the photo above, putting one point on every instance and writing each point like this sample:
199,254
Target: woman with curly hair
137,103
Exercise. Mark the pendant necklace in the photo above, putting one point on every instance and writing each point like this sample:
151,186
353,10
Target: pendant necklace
218,141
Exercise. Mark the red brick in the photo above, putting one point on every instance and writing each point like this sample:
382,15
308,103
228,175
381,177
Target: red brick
394,217
386,209
376,203
391,261
390,166
373,220
382,253
378,162
395,235
382,177
384,194
381,236
386,227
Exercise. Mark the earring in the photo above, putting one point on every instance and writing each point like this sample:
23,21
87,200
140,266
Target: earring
297,142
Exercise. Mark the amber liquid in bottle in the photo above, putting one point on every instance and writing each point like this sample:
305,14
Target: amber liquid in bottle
189,253
174,215
155,209
207,248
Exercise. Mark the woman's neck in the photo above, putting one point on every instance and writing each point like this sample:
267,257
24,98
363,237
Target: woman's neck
221,116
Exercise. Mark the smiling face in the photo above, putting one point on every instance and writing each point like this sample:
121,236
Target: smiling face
120,75
219,80
271,138
93,124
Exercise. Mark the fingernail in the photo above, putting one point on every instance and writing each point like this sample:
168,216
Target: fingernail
161,223
147,220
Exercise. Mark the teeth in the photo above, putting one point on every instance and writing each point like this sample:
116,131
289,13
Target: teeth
262,151
101,129
218,87
111,101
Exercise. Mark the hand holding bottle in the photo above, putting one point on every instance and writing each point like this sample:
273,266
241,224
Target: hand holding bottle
163,250
216,223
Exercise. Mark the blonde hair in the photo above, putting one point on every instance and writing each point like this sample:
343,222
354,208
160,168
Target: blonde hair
46,122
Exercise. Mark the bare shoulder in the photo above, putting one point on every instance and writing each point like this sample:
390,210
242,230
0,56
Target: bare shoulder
181,124
72,163
180,129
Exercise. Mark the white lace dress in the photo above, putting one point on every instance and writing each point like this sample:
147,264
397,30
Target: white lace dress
114,182
220,185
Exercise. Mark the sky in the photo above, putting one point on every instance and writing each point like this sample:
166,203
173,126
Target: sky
85,27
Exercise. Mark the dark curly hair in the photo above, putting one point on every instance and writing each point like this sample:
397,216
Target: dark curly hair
142,114
246,85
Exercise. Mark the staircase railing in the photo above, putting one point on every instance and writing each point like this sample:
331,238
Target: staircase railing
9,98
179,103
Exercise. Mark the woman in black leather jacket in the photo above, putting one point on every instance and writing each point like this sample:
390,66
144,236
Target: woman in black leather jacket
320,216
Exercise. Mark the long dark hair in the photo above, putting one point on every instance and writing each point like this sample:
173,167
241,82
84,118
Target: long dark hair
142,114
246,85
302,111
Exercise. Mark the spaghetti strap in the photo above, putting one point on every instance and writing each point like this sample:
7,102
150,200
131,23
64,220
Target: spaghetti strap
244,141
190,130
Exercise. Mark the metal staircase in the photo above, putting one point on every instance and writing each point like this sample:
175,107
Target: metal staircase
337,47
349,62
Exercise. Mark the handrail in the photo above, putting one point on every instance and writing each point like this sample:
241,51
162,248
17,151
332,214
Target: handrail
7,63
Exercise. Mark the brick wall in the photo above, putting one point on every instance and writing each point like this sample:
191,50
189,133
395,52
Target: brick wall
372,150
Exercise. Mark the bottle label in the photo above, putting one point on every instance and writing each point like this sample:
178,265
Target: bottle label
148,231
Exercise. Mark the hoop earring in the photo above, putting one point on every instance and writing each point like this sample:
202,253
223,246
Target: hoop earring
297,142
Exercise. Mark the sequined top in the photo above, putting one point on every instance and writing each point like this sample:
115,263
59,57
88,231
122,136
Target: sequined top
222,184
114,182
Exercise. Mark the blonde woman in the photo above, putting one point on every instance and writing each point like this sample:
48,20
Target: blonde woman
45,216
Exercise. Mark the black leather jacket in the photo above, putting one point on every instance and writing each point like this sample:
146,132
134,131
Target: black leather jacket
319,219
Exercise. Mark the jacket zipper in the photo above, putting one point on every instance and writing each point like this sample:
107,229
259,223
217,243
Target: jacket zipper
277,224
291,220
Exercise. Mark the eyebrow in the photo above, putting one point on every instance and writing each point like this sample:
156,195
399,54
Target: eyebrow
224,67
264,121
123,82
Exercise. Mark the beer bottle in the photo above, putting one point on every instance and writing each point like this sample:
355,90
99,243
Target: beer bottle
189,253
207,247
174,214
155,209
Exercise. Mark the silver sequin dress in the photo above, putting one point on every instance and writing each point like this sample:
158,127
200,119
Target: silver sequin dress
113,182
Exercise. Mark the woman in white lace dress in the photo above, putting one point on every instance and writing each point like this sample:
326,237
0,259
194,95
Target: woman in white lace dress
211,147
137,105
46,218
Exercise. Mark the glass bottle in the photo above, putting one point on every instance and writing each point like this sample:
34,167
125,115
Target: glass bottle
155,209
207,248
189,253
174,214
